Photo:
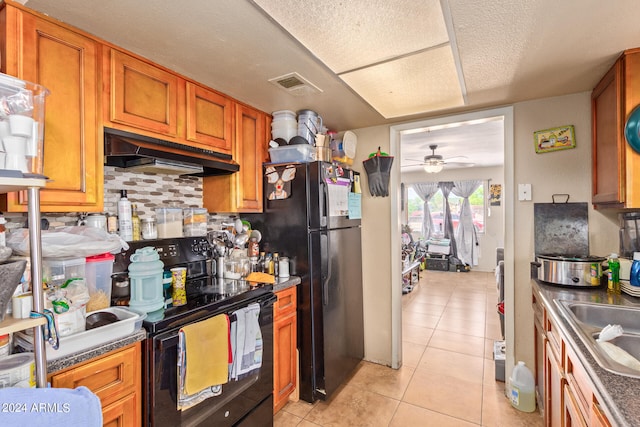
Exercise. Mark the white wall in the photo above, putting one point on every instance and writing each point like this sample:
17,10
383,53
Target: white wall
567,171
493,235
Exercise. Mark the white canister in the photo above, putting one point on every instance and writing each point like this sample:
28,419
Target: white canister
283,265
21,306
96,221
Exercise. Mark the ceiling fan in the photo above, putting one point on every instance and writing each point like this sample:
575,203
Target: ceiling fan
434,163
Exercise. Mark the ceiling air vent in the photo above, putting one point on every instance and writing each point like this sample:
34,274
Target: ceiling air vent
295,84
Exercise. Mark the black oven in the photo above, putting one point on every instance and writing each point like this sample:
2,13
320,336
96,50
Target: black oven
248,401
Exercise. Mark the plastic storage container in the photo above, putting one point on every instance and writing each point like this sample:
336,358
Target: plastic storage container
57,271
303,153
98,272
195,222
522,383
145,280
169,222
22,125
634,275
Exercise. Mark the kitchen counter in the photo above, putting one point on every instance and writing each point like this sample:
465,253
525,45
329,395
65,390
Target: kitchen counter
619,393
84,355
284,283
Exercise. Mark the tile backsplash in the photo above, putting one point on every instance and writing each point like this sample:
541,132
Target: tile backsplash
146,190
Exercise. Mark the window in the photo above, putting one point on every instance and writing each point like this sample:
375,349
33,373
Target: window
436,207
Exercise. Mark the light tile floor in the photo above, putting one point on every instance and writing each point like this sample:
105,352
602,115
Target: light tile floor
447,377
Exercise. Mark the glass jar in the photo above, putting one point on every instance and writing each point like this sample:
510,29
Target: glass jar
149,228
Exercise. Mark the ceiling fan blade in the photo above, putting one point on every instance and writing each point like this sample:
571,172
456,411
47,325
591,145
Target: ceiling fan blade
455,157
459,164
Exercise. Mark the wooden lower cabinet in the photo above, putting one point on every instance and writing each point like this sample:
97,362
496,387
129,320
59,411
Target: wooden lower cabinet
285,367
570,398
116,379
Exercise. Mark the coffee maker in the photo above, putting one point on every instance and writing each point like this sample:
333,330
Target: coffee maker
629,234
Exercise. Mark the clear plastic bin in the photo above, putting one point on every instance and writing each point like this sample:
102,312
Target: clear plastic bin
302,153
169,222
98,278
195,222
57,271
21,125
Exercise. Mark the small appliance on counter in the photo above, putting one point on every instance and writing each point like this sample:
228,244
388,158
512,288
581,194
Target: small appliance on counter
562,245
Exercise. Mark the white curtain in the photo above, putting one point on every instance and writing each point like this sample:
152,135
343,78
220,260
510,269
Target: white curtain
446,187
426,191
465,235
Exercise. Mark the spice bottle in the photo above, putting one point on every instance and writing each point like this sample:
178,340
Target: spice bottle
135,223
276,264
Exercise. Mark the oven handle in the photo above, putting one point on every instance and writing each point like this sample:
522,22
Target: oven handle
172,340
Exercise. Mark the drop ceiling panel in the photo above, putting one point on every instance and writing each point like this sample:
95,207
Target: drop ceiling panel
427,81
346,35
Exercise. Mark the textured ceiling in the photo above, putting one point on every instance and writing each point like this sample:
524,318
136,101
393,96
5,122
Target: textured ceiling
509,50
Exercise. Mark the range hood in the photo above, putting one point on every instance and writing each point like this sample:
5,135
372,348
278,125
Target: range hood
145,154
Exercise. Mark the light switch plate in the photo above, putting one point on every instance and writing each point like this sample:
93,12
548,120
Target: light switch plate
524,192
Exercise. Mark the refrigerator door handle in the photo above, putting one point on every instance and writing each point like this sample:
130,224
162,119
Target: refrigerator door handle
324,202
326,266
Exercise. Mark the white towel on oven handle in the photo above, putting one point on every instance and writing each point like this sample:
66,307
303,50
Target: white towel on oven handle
246,341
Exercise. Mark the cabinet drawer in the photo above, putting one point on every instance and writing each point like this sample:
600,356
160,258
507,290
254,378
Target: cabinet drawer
122,412
580,383
109,377
286,303
554,338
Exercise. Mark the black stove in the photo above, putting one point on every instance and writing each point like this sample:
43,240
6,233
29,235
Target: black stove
212,295
245,400
205,292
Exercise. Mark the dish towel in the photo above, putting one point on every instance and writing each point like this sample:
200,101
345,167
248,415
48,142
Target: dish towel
46,407
203,360
246,341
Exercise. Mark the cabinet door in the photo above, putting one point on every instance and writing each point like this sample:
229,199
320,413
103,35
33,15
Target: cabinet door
284,360
571,414
241,191
66,63
608,152
209,118
598,417
142,96
553,385
110,377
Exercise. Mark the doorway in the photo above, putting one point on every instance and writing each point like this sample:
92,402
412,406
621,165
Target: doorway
395,137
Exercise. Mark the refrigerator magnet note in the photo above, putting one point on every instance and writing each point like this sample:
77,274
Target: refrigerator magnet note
279,180
355,206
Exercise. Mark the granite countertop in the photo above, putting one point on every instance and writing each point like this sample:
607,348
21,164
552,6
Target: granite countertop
84,355
618,394
284,283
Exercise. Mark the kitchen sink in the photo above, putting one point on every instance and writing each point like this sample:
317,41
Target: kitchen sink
587,320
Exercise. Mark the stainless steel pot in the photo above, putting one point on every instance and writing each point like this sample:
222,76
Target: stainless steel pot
569,271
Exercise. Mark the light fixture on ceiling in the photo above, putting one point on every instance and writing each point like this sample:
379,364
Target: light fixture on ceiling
433,166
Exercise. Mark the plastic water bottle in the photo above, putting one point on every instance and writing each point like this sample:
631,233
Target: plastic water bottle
634,276
145,280
523,395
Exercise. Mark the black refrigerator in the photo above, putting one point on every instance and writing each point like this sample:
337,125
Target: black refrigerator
312,215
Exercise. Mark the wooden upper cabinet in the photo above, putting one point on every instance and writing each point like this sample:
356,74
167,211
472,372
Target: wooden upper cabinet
141,95
616,166
65,61
241,191
209,118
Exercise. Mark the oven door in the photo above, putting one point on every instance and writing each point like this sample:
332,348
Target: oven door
240,400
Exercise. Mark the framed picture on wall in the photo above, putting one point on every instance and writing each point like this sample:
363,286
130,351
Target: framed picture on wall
554,139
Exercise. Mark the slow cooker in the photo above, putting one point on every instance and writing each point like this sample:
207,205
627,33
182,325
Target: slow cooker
569,270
